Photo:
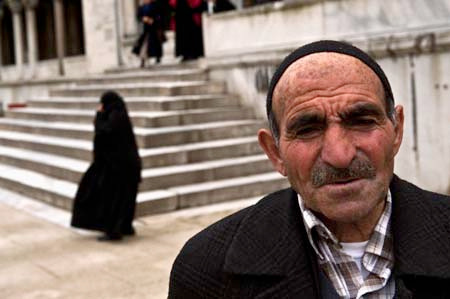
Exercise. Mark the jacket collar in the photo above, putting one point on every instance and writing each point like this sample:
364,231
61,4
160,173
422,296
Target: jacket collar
270,239
420,223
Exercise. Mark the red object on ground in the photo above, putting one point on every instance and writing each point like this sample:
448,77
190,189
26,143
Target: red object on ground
16,105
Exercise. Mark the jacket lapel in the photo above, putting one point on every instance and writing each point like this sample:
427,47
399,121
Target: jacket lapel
271,246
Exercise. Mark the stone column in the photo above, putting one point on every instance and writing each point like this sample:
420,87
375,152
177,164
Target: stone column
30,15
1,38
16,9
59,31
129,24
118,18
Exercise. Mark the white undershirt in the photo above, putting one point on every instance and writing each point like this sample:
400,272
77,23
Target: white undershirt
356,251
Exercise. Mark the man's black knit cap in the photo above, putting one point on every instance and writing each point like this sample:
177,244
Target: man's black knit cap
329,46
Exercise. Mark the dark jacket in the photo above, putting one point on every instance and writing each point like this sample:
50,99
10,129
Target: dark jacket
263,251
152,33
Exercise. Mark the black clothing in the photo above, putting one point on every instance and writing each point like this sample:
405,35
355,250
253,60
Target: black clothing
188,28
263,251
222,6
153,34
106,197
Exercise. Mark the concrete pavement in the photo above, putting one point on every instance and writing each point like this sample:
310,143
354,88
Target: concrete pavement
42,257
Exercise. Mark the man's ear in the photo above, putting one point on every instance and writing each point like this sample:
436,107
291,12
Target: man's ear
398,128
268,144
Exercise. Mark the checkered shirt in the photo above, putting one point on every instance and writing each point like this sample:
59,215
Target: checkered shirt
342,270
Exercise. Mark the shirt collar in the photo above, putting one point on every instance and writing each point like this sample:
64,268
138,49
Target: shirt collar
314,224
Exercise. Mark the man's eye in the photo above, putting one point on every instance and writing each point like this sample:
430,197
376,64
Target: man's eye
309,131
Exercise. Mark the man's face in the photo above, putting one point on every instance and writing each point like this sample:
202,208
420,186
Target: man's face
337,144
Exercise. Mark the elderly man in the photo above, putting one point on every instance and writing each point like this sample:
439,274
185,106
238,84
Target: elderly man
348,227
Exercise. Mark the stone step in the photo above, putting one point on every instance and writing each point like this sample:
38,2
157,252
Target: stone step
146,137
168,177
174,65
60,193
200,151
145,76
139,118
155,103
154,178
56,192
55,166
155,157
67,147
229,189
144,89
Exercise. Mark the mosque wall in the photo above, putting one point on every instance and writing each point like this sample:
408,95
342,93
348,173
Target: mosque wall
410,40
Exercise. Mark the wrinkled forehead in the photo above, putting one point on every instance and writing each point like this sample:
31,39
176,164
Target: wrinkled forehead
325,70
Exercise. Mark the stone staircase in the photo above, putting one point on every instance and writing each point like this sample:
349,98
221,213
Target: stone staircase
198,145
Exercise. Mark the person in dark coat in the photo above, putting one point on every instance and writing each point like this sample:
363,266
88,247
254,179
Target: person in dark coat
221,5
149,43
188,28
348,227
106,197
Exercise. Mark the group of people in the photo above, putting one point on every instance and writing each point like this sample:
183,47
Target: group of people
156,15
348,227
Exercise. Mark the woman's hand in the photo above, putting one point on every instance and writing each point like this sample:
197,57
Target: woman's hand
147,20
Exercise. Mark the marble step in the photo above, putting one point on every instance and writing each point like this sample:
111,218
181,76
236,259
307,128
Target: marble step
139,118
60,193
172,176
145,76
155,103
228,189
146,137
173,65
60,167
144,89
152,178
154,157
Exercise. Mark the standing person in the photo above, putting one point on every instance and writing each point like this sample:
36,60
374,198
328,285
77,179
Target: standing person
106,197
348,227
149,43
188,28
217,6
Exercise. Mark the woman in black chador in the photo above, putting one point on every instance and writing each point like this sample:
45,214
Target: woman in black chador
106,197
149,43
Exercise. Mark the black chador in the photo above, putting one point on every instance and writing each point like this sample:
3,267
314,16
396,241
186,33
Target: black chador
106,197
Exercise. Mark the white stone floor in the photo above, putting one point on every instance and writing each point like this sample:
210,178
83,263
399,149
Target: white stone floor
42,257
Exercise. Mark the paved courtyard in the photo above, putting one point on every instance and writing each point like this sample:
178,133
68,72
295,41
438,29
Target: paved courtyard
42,257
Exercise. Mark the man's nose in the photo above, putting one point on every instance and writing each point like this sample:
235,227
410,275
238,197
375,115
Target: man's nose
338,149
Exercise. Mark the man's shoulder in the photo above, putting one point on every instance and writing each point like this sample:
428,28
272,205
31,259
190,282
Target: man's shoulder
412,194
203,257
411,203
221,233
420,225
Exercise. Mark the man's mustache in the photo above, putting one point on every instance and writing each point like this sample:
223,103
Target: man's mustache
323,173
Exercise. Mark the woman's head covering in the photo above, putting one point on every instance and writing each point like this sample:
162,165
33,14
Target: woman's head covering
111,100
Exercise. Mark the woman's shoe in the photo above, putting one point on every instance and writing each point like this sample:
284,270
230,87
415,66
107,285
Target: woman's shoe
129,232
106,237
